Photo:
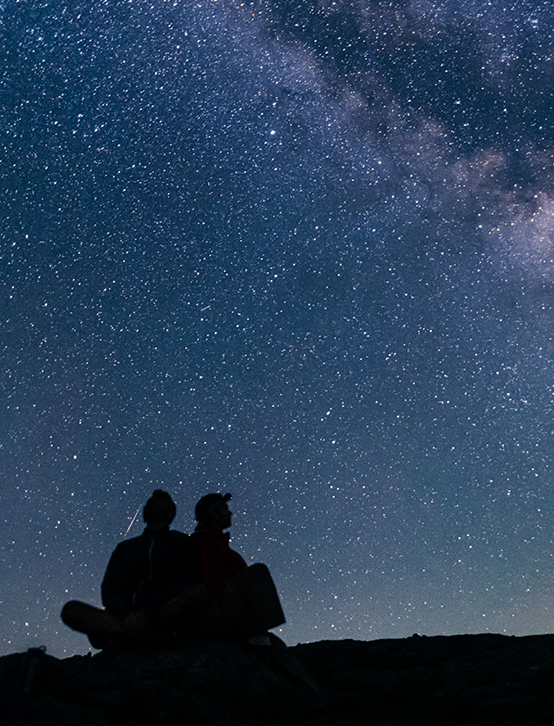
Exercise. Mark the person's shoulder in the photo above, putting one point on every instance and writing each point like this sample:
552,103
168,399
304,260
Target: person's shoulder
211,538
178,536
128,545
201,534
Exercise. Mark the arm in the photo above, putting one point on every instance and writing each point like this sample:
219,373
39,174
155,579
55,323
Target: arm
117,591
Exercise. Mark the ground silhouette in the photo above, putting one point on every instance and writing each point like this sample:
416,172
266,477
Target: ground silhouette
468,679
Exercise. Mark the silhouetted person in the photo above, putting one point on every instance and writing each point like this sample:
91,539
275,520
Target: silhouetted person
243,603
151,585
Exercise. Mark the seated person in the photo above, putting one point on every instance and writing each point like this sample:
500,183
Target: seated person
243,602
151,585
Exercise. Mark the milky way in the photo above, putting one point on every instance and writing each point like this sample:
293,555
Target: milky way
300,252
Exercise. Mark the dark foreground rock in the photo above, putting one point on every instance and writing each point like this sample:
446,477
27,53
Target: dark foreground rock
473,680
469,679
203,683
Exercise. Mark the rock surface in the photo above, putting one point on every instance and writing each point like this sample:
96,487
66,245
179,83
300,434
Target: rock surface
478,680
468,679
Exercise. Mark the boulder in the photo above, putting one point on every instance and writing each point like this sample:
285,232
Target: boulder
201,683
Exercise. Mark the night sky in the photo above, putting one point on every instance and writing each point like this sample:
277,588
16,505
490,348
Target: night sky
298,251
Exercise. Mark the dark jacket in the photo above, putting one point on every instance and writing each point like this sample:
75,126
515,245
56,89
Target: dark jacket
145,572
218,562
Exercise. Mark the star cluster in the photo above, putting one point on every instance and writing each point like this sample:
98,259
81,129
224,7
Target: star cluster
301,252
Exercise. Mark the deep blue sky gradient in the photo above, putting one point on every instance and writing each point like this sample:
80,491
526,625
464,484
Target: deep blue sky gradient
301,252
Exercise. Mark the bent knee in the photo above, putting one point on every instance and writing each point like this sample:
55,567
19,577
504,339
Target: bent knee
258,572
70,611
259,568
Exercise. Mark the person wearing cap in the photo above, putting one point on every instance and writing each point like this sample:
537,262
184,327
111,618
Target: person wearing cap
151,584
218,562
243,601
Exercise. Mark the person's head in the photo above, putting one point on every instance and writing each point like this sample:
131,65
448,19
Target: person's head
212,511
159,511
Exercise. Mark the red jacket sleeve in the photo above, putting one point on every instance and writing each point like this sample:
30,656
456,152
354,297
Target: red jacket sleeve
218,562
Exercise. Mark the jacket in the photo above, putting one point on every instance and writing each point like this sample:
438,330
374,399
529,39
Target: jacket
217,561
146,571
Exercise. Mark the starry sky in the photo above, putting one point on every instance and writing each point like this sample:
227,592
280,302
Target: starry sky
300,252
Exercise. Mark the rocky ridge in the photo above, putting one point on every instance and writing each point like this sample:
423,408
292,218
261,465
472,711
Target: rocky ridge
468,679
